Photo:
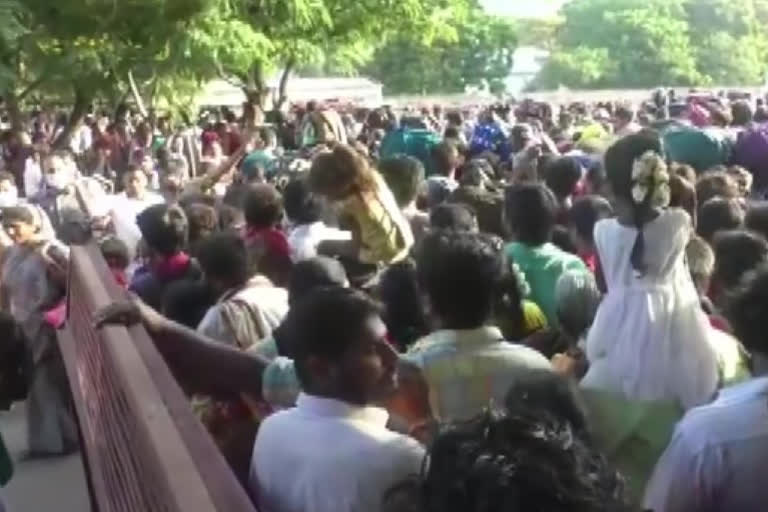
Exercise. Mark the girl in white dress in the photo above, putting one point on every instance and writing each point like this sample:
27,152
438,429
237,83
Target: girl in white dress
650,339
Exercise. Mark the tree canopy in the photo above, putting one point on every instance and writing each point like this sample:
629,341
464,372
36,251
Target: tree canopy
477,54
647,43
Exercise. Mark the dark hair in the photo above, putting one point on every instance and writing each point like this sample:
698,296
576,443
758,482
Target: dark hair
524,460
596,176
624,113
223,256
187,302
585,213
115,251
262,206
445,157
716,184
684,171
229,217
18,214
453,216
719,214
757,218
561,238
324,323
619,162
404,312
748,309
562,176
467,278
736,253
741,113
314,273
545,390
451,132
404,175
682,194
203,221
164,228
301,205
235,195
531,211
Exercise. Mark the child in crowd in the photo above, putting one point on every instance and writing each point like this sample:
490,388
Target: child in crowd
736,253
585,213
530,213
164,231
116,254
756,219
467,363
650,339
405,176
456,216
683,195
306,230
719,214
562,177
380,232
267,245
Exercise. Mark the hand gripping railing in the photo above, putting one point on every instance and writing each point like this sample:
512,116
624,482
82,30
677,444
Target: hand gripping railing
144,449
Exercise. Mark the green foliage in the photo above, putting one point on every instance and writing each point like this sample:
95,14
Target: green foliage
479,55
647,43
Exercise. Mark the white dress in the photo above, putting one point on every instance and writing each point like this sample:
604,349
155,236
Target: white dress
650,339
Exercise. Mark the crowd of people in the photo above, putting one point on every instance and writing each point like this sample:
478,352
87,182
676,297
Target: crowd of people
508,307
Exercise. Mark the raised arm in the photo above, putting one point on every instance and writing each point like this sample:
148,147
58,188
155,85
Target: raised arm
203,364
210,179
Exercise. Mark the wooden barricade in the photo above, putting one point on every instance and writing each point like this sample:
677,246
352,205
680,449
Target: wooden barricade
144,449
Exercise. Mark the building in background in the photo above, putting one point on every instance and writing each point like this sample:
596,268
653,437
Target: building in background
358,91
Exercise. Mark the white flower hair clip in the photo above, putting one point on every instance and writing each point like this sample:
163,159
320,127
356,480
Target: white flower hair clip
650,176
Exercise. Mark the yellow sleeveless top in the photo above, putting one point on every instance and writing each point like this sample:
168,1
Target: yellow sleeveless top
385,234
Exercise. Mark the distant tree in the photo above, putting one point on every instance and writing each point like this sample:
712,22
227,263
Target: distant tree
646,43
622,43
480,54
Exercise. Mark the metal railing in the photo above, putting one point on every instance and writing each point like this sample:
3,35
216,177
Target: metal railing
144,449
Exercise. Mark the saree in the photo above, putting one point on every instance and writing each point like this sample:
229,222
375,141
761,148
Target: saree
30,292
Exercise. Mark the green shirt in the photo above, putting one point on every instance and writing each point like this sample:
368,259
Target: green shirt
543,265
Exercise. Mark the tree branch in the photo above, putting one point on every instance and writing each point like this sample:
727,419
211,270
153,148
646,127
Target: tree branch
31,87
136,95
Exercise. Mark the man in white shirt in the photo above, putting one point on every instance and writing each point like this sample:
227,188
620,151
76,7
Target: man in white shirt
128,204
719,452
333,452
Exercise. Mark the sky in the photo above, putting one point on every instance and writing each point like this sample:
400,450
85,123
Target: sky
522,8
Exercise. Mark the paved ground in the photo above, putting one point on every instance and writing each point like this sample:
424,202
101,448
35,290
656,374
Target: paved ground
41,485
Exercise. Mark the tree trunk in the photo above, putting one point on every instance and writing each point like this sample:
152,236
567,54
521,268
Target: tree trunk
14,112
79,109
256,92
282,92
137,95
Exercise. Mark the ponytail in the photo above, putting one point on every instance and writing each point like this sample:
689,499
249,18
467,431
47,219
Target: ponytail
650,189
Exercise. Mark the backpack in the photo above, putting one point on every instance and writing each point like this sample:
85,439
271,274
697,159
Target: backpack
701,149
751,152
415,143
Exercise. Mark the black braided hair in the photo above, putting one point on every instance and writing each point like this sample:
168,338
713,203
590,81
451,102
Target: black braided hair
619,160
